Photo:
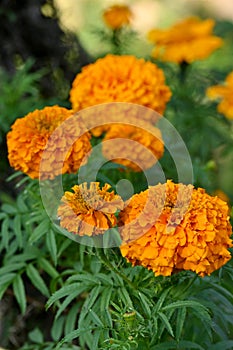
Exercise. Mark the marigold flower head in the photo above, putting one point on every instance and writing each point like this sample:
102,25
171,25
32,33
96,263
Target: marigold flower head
120,79
117,16
224,93
133,146
172,227
28,138
89,210
186,41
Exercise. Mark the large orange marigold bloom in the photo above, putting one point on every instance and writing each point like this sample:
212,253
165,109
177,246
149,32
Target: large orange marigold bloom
117,16
224,93
172,227
133,146
28,138
89,210
187,41
120,79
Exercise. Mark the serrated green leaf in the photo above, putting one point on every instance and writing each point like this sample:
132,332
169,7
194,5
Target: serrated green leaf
57,328
162,298
47,267
37,280
146,304
72,318
184,344
224,344
63,292
166,323
84,278
181,315
5,233
52,245
95,318
17,230
10,267
19,292
89,302
184,303
9,209
73,335
125,297
69,299
40,231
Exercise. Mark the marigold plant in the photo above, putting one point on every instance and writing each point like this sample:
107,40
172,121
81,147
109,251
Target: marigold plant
172,227
187,41
28,138
133,147
224,93
89,210
117,16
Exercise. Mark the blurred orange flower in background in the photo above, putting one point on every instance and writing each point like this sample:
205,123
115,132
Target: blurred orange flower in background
223,93
90,210
28,138
129,144
120,79
117,16
172,227
187,41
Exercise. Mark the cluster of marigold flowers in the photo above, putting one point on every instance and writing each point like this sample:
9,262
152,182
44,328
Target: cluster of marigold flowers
167,228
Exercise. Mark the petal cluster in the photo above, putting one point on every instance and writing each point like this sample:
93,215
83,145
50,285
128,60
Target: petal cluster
132,146
117,16
172,227
89,210
120,79
223,93
187,41
50,133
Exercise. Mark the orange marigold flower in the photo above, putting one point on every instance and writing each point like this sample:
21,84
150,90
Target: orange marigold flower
90,210
117,16
28,138
138,148
120,79
224,93
172,227
186,41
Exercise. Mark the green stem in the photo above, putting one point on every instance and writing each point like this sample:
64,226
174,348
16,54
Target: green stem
102,257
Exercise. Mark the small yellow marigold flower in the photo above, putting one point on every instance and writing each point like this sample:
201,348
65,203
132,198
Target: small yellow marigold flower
90,210
224,93
28,138
127,148
187,41
172,227
117,16
120,79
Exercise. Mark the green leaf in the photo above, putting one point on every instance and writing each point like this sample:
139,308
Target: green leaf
181,315
95,318
19,292
71,318
146,304
36,336
184,344
225,344
57,328
73,335
52,245
17,230
36,280
21,204
5,232
69,299
9,209
125,297
40,231
166,323
47,267
89,302
63,292
162,299
11,267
